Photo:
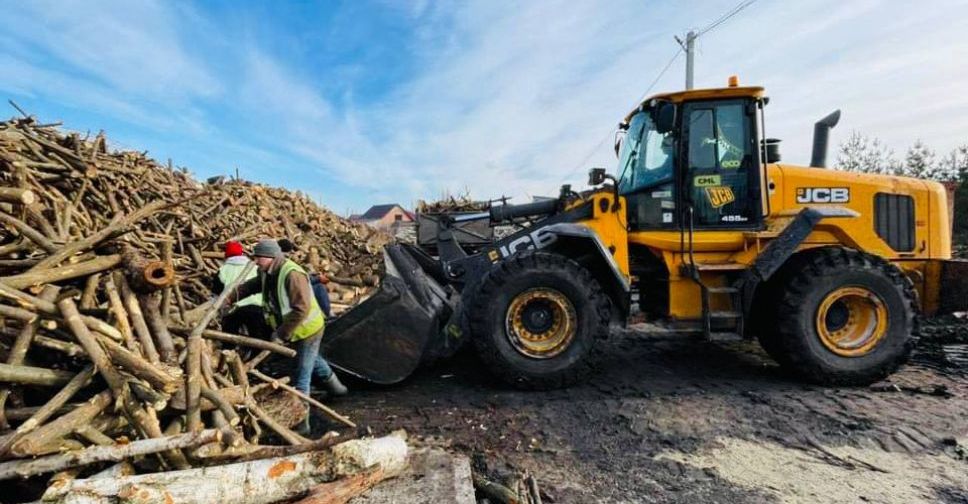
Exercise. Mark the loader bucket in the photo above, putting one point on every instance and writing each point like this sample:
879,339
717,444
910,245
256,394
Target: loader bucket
383,339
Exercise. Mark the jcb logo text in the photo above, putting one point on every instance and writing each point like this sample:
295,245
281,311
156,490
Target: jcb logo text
823,195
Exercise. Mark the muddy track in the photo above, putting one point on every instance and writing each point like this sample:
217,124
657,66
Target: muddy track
602,441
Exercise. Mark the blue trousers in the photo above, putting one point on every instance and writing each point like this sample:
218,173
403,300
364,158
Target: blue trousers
309,364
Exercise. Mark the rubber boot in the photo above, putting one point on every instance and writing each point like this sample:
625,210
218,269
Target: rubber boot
334,387
305,428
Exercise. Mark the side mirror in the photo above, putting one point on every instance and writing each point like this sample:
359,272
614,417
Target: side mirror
619,137
665,117
596,176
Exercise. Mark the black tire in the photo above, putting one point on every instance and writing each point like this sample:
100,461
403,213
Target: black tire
488,312
763,319
796,342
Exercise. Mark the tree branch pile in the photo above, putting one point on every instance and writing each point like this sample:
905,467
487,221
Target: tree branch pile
106,354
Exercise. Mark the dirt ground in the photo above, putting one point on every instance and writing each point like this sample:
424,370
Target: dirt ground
673,419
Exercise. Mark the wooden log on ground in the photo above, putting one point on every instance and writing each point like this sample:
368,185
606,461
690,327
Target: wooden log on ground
48,409
159,329
116,227
29,375
147,276
223,405
90,344
94,454
17,313
94,436
20,346
137,320
28,232
269,421
31,443
266,480
89,298
67,348
292,390
344,489
24,412
193,382
17,195
65,272
49,308
256,452
166,256
159,378
245,341
120,314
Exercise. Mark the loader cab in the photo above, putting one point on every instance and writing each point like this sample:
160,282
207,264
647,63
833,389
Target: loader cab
693,150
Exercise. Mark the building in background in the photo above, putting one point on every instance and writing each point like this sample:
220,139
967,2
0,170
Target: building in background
392,218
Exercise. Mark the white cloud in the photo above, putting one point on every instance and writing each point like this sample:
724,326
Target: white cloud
509,101
503,98
133,47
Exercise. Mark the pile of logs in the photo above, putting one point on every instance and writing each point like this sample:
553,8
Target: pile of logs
450,203
58,189
106,349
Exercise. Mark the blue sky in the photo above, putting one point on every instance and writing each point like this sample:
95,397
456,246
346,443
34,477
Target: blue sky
358,103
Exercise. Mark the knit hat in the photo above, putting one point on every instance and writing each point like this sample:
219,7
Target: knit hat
267,248
233,248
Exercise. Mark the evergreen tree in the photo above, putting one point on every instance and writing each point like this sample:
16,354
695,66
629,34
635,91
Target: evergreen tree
851,153
962,163
862,154
920,161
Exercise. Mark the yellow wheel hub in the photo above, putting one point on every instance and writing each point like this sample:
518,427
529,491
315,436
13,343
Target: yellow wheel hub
541,323
851,321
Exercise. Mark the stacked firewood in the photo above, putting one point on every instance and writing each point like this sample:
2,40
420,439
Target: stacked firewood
108,346
451,203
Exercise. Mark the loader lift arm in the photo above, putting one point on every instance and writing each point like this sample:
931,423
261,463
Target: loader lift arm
415,315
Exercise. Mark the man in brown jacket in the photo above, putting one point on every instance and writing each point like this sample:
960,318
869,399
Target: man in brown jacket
292,312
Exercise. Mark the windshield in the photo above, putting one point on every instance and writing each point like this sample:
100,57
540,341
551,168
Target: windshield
646,156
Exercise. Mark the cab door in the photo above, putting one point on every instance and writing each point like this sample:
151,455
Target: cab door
721,175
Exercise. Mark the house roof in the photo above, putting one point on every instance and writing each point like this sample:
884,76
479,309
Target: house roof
378,211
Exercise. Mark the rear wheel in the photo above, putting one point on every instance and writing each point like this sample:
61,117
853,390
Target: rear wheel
844,317
535,320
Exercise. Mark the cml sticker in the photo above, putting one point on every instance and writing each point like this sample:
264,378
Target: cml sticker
706,180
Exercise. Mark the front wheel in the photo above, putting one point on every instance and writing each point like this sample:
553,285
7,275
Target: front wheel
844,317
536,318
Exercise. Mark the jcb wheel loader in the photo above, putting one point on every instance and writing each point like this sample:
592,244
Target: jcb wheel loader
829,270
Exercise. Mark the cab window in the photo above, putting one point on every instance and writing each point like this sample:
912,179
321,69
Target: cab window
720,163
646,162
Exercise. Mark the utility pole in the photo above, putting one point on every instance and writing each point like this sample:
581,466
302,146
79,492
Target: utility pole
690,47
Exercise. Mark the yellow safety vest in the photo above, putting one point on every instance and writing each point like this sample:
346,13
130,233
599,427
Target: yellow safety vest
231,270
314,321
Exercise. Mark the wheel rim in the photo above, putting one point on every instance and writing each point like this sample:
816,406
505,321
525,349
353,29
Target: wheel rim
541,323
851,321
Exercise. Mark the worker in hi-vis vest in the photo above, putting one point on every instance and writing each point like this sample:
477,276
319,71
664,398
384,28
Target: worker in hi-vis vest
293,314
247,312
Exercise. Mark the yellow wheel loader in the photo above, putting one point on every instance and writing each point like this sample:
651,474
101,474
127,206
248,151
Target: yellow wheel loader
707,231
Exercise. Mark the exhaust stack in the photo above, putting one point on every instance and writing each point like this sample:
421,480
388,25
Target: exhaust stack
821,137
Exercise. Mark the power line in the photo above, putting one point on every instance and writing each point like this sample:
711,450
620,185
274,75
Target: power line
689,45
725,17
592,152
682,46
